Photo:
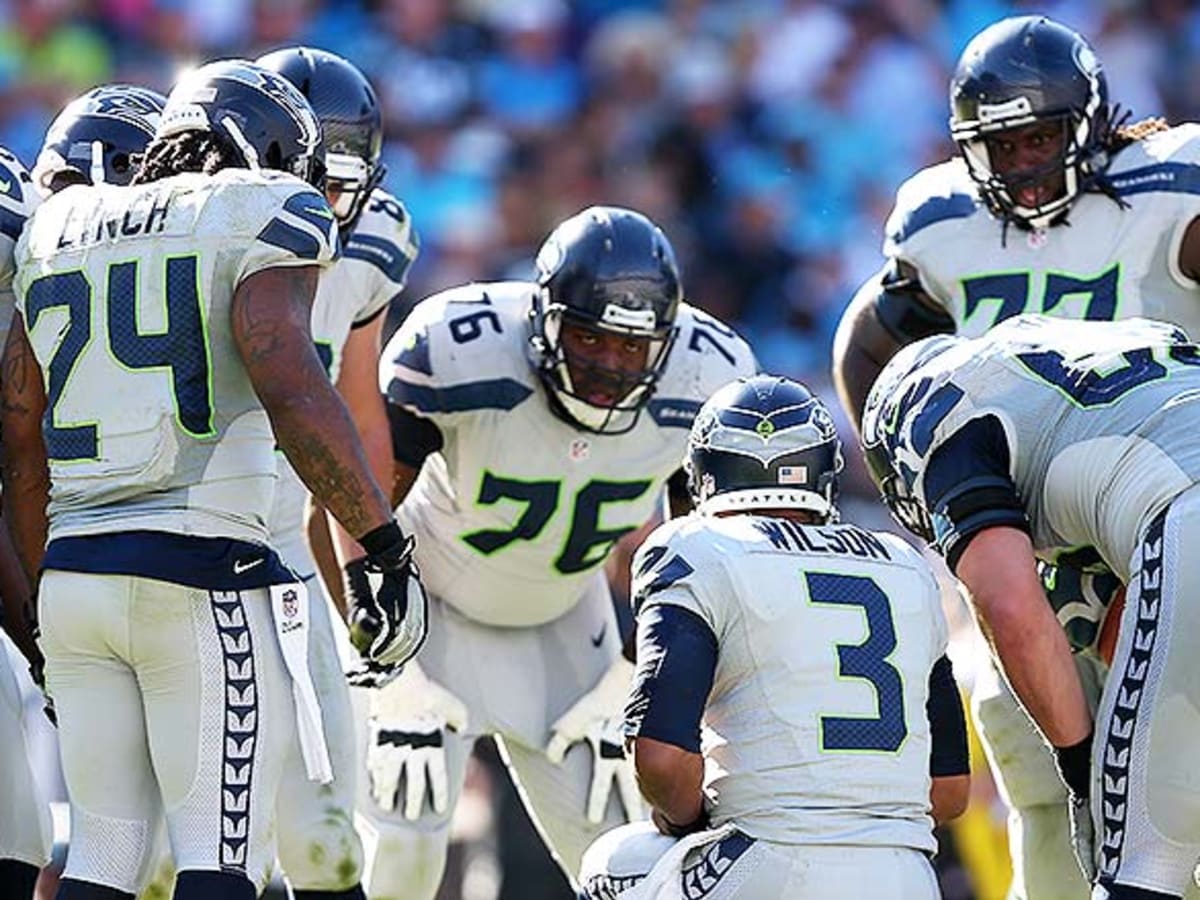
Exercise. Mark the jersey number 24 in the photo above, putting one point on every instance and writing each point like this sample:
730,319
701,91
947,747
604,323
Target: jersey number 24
181,349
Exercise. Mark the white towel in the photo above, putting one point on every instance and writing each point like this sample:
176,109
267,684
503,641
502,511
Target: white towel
289,608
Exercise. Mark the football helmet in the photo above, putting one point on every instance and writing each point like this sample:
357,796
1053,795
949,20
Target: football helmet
888,421
100,135
611,271
350,115
259,111
1016,72
764,443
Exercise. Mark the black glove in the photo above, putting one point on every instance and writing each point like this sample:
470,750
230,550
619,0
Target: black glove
388,606
1075,768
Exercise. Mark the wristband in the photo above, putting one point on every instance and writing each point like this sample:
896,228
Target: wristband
380,540
1075,766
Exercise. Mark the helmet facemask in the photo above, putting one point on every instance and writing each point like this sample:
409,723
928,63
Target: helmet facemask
574,381
1022,71
1078,163
349,181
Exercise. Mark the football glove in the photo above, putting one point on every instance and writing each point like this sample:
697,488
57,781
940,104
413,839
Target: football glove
389,611
596,718
406,739
1074,767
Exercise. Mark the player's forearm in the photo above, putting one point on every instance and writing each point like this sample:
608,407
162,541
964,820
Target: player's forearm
316,434
998,570
671,779
270,322
372,427
861,348
23,463
948,797
26,493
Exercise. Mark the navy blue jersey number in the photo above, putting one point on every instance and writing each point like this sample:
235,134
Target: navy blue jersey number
886,731
181,349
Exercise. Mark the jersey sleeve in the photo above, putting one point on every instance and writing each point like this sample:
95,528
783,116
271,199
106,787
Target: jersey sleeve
1174,157
674,566
968,487
286,223
386,244
18,200
934,195
453,357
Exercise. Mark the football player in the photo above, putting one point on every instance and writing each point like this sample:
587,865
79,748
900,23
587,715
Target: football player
319,850
160,351
814,652
24,816
533,424
1052,206
1045,435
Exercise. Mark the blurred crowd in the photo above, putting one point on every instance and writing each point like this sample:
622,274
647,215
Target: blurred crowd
768,137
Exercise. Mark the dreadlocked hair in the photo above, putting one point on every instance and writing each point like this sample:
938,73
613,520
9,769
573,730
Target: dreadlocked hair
1120,132
188,151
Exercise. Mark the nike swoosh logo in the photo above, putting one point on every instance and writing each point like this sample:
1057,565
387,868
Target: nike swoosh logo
599,639
240,566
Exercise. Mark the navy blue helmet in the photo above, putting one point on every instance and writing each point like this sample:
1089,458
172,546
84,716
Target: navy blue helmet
890,414
1019,71
764,443
350,116
100,135
259,111
609,270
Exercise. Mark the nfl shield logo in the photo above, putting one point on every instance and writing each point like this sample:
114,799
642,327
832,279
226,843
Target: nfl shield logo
579,450
291,605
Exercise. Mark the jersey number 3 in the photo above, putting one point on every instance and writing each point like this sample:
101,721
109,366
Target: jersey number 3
181,349
868,661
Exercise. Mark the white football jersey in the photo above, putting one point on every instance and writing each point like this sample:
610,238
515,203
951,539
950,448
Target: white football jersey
1097,418
815,730
1109,262
18,200
372,270
519,507
126,295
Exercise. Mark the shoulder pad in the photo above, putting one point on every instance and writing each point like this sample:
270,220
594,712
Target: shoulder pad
461,350
669,556
290,219
935,194
384,237
707,355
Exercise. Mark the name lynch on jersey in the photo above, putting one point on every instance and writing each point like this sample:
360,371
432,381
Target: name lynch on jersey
95,229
